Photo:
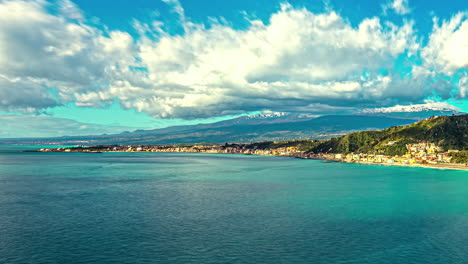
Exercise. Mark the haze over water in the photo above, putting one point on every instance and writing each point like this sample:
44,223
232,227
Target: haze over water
194,208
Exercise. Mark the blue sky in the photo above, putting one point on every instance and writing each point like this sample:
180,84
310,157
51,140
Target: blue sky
120,14
110,66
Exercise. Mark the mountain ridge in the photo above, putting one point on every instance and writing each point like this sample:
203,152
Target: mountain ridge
260,127
240,130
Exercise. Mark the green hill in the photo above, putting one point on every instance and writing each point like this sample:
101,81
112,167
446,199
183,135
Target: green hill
448,132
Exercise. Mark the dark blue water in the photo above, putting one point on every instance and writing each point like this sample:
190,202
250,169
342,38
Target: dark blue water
189,208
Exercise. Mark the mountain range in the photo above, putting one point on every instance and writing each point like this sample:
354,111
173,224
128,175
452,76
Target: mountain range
254,128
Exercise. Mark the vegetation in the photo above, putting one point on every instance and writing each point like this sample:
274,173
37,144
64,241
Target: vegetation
460,157
448,132
302,145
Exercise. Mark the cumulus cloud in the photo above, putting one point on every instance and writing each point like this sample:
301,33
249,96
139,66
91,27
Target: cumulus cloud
24,95
400,7
447,50
297,61
220,70
40,51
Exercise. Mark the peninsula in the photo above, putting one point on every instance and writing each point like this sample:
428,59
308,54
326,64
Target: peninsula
436,142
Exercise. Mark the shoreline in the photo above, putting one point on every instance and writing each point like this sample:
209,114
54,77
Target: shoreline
440,166
450,166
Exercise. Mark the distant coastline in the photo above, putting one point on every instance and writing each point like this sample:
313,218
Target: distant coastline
435,142
242,149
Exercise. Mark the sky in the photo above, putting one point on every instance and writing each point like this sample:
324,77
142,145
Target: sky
92,67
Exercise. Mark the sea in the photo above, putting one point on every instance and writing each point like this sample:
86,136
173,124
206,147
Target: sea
221,208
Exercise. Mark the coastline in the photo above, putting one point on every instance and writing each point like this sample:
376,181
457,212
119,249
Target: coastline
440,166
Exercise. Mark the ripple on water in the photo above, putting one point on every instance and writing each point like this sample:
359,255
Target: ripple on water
163,208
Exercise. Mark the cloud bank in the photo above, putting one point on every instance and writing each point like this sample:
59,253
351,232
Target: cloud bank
297,61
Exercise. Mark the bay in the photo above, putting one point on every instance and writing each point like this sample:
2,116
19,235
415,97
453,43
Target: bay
215,208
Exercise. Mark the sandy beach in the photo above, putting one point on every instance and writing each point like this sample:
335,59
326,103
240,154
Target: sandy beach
440,166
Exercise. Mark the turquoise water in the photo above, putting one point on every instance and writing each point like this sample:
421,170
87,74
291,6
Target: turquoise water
204,208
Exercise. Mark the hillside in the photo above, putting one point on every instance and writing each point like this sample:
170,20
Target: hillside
448,132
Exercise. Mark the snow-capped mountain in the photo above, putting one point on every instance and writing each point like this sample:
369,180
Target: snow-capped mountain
269,117
428,106
268,126
245,129
267,114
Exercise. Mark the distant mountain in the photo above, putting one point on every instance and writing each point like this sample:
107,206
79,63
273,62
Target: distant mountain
448,132
429,106
417,111
271,127
267,118
415,115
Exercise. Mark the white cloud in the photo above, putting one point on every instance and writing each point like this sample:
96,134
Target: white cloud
177,7
70,10
400,7
447,50
24,94
463,84
41,51
298,61
220,70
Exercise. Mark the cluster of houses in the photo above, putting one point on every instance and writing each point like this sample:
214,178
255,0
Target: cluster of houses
420,153
237,149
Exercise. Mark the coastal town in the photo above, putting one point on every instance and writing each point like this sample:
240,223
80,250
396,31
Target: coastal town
419,154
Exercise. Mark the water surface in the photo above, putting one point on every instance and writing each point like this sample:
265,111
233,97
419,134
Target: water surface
205,208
